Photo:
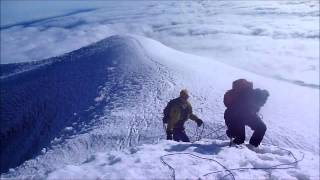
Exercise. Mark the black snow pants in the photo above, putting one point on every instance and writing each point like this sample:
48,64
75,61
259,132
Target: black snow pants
236,123
179,134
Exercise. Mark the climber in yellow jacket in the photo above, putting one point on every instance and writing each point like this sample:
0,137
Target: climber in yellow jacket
176,113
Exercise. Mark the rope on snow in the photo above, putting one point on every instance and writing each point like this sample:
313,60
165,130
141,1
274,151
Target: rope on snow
199,136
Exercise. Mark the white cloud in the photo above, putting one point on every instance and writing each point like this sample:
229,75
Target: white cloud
274,38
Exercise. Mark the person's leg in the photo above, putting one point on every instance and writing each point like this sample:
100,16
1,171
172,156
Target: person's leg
176,135
230,123
169,134
184,137
240,133
180,135
259,128
235,127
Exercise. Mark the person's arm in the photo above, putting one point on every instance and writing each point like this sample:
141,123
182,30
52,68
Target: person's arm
166,112
193,116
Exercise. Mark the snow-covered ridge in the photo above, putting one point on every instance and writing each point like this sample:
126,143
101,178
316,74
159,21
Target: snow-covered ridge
110,96
76,90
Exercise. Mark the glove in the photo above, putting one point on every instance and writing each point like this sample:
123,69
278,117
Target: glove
199,122
169,135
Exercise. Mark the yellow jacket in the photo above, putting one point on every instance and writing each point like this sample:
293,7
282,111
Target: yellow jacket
178,113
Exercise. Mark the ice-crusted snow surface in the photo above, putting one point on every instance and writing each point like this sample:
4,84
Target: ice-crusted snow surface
275,38
112,94
144,162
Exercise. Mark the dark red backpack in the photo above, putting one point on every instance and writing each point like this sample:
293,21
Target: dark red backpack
238,86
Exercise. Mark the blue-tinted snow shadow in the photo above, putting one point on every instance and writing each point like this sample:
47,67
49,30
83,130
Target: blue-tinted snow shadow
40,102
37,104
206,149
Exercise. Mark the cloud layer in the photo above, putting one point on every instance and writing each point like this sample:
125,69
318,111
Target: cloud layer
273,38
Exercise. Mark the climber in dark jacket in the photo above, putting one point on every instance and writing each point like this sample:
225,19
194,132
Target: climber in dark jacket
243,104
176,113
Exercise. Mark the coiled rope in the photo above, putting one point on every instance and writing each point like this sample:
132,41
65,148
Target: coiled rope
199,136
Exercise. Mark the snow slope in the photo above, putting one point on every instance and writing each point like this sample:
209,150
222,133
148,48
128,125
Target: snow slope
187,161
110,95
